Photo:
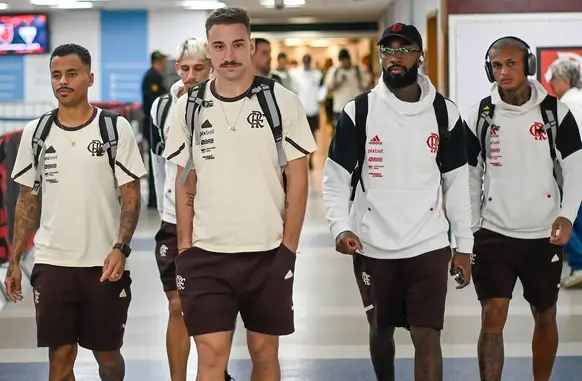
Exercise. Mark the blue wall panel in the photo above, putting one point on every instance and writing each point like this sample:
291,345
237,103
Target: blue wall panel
124,54
11,78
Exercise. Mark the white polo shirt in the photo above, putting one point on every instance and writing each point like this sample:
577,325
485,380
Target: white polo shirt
239,202
81,209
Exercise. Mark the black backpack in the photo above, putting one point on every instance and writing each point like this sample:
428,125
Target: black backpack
361,116
158,138
263,89
107,128
549,109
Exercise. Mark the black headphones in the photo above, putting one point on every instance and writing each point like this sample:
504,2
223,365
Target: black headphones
529,62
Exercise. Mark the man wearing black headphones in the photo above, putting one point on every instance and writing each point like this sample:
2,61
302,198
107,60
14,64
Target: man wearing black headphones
525,158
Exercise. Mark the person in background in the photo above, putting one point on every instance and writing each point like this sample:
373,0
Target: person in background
193,66
152,86
308,81
328,102
345,82
567,85
238,243
282,70
396,229
81,282
261,59
520,223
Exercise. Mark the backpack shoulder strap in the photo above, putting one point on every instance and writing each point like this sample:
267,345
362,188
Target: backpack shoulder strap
484,122
193,105
38,146
264,89
442,117
361,117
162,111
109,135
549,108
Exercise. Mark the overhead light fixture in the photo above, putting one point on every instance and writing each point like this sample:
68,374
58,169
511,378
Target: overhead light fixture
3,6
74,5
321,43
202,5
288,3
293,42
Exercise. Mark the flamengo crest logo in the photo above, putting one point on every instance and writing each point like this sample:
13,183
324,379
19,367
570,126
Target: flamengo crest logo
433,142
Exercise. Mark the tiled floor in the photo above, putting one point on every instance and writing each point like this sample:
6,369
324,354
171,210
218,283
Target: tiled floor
331,339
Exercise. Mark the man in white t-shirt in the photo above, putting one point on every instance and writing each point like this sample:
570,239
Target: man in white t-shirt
232,207
80,279
345,82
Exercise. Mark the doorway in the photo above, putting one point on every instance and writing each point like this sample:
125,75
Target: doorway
432,49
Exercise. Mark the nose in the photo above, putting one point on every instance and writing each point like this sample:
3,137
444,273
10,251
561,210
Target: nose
229,54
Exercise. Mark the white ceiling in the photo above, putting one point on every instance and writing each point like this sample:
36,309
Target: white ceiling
314,10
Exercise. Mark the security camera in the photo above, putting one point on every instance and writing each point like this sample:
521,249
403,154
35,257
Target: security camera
279,4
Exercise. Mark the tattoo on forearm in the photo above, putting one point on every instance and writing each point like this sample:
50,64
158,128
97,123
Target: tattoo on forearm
491,356
25,223
190,199
130,208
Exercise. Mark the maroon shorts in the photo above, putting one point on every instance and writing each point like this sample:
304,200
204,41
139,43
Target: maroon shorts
501,260
215,287
73,306
166,254
408,292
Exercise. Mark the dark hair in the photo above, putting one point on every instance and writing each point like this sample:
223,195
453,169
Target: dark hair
228,16
507,42
281,55
259,40
73,49
343,54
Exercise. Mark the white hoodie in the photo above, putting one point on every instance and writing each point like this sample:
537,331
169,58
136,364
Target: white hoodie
165,171
400,215
517,194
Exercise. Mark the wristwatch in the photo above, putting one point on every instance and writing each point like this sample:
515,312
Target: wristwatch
125,249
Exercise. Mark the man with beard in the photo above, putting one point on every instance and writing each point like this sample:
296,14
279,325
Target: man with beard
396,229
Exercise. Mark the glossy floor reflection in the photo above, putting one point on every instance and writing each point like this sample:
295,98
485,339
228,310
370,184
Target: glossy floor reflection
331,338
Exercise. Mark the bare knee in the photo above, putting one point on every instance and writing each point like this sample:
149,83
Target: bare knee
264,349
111,365
494,315
213,349
175,305
545,318
62,359
424,338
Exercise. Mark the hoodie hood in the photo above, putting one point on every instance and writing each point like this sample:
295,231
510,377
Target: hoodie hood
538,93
427,95
175,89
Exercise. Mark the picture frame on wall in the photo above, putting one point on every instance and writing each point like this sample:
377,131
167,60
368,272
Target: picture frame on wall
547,55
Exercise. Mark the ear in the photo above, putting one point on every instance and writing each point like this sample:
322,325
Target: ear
253,46
421,59
207,49
177,67
91,79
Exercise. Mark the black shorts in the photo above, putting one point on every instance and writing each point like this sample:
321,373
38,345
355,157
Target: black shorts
74,306
501,260
166,254
215,287
313,122
408,292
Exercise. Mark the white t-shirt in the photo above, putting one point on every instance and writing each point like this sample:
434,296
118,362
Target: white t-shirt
239,202
81,209
308,83
351,88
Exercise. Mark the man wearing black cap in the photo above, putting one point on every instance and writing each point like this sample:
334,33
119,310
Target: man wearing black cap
345,82
152,87
399,151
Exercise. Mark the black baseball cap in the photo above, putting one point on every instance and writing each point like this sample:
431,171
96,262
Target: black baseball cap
157,55
406,32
